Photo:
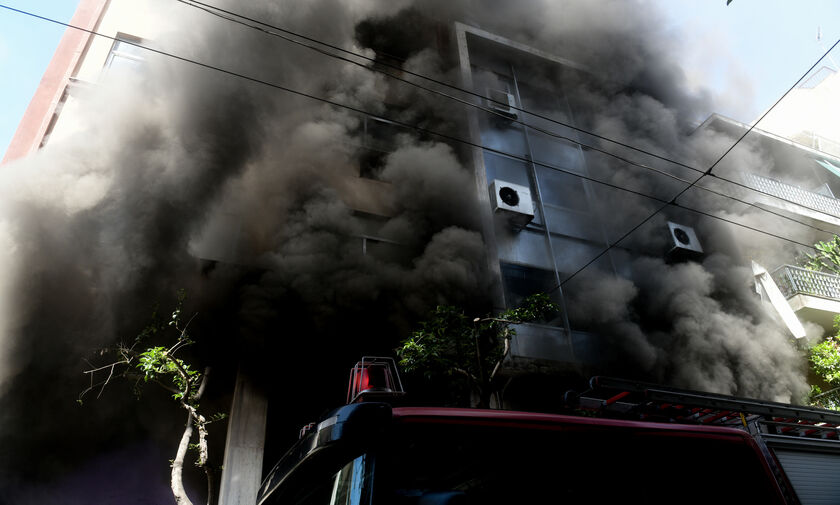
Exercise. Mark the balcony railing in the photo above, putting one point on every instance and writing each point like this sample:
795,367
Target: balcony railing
795,280
794,194
817,142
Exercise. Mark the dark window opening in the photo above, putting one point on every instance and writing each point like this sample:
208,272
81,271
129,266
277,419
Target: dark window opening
521,282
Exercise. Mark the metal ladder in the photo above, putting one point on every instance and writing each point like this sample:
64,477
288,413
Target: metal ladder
628,399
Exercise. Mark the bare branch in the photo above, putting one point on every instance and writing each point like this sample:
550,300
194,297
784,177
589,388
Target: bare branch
184,331
111,366
501,360
203,385
175,348
496,319
107,380
827,392
157,381
465,373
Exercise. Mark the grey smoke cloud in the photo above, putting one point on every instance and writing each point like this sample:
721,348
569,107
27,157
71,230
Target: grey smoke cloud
184,163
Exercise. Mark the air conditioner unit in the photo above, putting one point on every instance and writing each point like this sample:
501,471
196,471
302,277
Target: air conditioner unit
502,102
512,201
683,242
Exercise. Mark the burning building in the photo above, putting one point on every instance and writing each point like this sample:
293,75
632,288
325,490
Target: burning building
319,176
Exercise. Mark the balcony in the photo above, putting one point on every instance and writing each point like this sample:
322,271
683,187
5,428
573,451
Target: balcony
795,280
814,296
796,195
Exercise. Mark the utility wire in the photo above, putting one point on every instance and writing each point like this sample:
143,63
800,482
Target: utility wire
707,172
211,9
232,17
402,124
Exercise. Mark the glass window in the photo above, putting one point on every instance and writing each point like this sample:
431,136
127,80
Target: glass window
349,486
502,135
555,152
521,281
562,189
379,139
125,55
506,169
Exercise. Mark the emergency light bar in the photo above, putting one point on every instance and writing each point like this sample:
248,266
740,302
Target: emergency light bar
374,377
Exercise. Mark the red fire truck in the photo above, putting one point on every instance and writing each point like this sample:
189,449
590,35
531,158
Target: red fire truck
625,442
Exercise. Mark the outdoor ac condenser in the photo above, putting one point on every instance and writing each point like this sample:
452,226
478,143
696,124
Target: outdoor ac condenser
502,102
512,201
683,242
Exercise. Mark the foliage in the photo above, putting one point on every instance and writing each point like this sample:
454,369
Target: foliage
825,363
827,400
160,365
825,356
450,343
827,257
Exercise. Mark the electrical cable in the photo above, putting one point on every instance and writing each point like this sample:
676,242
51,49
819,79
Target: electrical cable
402,124
210,9
708,172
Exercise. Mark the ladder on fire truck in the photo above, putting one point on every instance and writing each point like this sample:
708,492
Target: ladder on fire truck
627,399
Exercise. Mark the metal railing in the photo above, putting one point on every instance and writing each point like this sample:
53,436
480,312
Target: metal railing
795,280
817,142
793,194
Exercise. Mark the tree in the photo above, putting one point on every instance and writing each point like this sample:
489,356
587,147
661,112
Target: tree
160,364
825,362
827,258
825,355
449,343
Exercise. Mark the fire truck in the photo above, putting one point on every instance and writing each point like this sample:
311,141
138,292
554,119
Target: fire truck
620,442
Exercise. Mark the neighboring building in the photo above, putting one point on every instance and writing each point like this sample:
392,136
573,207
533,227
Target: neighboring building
541,220
802,183
79,62
808,115
805,124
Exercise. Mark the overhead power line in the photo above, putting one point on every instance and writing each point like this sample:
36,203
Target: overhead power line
237,18
399,123
673,201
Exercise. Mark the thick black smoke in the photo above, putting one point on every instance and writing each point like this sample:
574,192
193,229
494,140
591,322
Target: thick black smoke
249,198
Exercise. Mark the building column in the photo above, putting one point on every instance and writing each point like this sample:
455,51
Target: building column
244,445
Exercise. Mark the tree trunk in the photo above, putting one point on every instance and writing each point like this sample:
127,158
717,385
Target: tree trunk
484,397
178,465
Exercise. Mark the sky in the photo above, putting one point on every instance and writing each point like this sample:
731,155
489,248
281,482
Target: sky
747,53
26,47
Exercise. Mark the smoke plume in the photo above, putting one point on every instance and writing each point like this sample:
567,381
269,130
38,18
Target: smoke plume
249,198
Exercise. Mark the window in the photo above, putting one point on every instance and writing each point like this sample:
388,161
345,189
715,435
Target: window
349,486
521,282
379,139
125,55
351,483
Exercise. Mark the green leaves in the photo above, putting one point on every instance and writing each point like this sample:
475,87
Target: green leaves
439,344
825,358
825,363
535,307
159,364
827,258
451,344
